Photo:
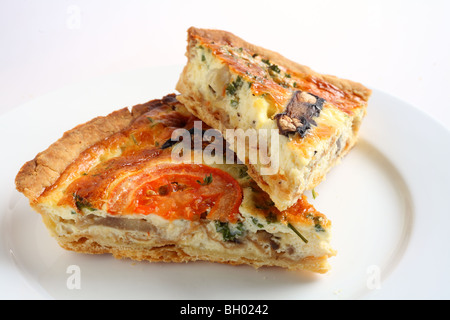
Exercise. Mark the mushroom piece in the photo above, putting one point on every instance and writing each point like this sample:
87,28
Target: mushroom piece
299,114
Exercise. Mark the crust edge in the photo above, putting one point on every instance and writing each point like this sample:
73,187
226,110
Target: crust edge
175,254
44,170
355,88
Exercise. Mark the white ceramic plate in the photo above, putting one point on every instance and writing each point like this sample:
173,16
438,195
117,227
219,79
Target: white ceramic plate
388,201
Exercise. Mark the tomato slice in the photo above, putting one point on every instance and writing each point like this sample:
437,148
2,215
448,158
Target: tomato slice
181,191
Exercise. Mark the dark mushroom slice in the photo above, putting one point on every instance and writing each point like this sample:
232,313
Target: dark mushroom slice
299,114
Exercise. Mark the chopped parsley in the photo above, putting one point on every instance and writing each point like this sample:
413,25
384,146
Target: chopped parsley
297,233
234,102
82,203
134,139
206,180
234,86
232,89
319,228
152,122
274,68
317,222
256,223
230,234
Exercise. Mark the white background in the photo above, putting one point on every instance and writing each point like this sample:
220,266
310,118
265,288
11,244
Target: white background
399,47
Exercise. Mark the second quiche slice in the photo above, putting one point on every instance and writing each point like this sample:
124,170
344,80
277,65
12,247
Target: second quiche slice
231,84
111,185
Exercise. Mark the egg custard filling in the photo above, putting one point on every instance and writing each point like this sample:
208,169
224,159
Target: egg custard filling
112,186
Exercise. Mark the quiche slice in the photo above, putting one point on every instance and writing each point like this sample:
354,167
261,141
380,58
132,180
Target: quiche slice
231,84
112,185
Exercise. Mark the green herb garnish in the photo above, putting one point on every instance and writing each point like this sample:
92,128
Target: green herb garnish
234,86
234,102
314,194
206,180
152,121
256,223
319,228
297,233
318,224
82,203
229,234
274,68
134,139
232,89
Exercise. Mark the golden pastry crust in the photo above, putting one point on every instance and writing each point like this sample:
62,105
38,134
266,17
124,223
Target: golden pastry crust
175,254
